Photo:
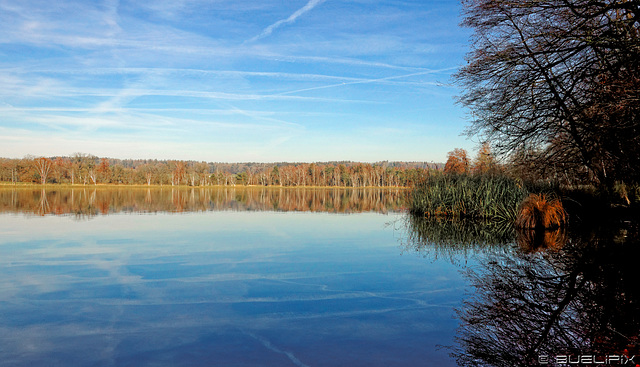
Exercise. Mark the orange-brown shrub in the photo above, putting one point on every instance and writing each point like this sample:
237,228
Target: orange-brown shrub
537,212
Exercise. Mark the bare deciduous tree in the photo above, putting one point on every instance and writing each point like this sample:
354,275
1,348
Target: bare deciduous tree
561,77
43,167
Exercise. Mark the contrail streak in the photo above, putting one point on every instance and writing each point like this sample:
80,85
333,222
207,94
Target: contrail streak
364,81
292,18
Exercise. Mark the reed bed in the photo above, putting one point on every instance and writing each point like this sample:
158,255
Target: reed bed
495,198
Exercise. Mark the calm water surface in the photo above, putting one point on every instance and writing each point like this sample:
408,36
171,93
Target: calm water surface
218,287
295,277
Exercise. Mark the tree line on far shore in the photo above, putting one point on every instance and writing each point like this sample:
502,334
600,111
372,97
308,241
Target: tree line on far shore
87,169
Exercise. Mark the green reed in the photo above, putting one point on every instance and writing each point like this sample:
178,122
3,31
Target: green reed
473,196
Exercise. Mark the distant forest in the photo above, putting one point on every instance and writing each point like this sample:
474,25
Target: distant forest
86,169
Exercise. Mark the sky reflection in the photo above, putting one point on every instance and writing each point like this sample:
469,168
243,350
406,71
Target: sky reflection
220,288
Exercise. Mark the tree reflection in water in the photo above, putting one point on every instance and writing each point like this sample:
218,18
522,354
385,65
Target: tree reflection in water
89,201
544,294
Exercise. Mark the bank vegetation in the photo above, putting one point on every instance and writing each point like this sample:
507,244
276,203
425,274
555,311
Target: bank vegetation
87,169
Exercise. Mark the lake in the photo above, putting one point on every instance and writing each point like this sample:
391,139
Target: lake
296,277
218,277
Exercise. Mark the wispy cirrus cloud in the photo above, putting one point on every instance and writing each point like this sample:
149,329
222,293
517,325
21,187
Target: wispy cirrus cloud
92,73
50,89
292,18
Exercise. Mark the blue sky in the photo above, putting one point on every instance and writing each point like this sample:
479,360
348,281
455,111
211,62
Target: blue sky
234,81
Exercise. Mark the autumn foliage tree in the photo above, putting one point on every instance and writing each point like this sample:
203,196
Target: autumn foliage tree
559,77
485,162
178,172
103,170
457,162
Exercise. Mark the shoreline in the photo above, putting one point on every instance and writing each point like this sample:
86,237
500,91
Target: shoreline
4,185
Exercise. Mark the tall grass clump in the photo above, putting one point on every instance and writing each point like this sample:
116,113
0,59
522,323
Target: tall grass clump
539,212
493,197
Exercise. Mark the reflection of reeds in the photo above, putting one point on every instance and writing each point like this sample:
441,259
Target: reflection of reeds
536,211
452,236
475,196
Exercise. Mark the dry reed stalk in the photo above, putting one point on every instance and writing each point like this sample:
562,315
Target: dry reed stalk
536,212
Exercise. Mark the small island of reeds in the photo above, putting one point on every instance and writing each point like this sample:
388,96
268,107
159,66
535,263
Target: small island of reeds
488,192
